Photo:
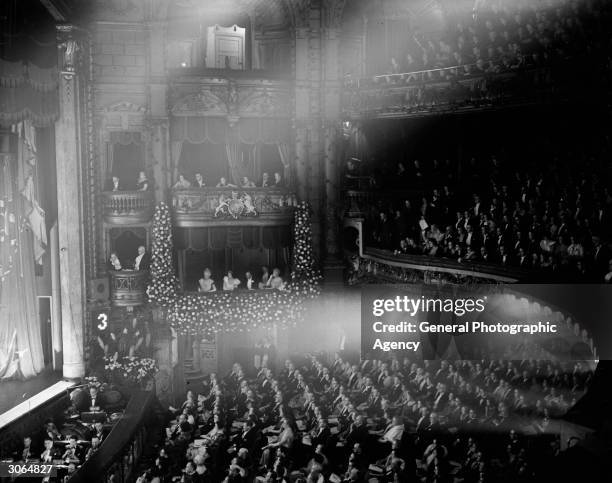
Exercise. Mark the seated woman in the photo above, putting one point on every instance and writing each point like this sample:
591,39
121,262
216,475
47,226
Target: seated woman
285,441
224,184
113,262
206,283
142,183
182,183
229,282
247,183
276,281
217,433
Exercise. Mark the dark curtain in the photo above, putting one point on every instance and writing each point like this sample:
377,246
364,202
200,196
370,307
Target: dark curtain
206,158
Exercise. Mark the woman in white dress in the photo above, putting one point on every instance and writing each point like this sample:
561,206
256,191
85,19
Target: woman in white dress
276,281
229,282
206,283
114,262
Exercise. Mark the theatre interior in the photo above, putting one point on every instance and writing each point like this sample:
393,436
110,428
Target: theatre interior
194,194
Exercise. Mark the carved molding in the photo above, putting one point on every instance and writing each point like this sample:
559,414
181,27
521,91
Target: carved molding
332,13
124,106
233,101
264,102
206,102
299,12
69,49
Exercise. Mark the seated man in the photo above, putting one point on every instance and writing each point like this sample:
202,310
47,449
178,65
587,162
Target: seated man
247,183
95,446
182,183
224,184
199,181
27,452
50,453
94,402
278,181
71,453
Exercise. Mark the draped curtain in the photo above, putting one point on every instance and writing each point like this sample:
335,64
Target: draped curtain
176,147
21,351
247,131
235,162
285,153
27,92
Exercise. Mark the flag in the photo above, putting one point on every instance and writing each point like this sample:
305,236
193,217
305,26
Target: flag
28,174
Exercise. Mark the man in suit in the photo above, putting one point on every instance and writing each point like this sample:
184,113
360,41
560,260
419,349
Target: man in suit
199,181
248,438
143,260
358,432
27,453
278,180
50,453
94,401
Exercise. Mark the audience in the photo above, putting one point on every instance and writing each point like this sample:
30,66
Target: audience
231,283
391,420
502,35
550,217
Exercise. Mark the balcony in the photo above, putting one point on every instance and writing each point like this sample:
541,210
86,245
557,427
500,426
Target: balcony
385,266
447,90
232,206
127,207
357,202
128,288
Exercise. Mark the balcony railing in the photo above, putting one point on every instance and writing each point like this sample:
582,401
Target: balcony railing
127,207
357,203
128,288
383,265
227,206
456,88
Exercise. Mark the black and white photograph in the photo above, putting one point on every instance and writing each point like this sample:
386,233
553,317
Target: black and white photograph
306,241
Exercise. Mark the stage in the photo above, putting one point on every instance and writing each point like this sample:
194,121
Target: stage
13,393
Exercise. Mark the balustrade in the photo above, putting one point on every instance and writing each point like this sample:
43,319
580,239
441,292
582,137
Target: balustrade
127,207
219,206
128,287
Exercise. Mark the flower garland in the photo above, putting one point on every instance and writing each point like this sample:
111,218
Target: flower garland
206,314
305,277
163,286
129,370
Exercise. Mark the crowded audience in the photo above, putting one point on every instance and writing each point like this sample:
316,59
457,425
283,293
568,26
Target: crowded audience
503,35
391,420
552,216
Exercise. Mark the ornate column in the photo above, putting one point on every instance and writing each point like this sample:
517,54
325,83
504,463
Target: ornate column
300,13
332,85
70,205
157,123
